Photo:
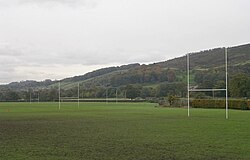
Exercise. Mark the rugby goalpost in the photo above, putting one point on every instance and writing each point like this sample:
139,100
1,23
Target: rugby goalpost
61,98
116,94
208,89
31,95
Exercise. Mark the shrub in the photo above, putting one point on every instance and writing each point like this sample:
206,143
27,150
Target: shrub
210,103
171,99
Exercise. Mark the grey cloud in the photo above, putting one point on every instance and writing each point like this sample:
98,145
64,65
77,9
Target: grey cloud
112,56
70,3
8,50
35,42
54,1
36,57
21,62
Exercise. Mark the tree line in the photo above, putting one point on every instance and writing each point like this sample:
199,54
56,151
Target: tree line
239,86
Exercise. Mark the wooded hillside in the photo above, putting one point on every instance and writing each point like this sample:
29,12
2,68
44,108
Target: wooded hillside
154,80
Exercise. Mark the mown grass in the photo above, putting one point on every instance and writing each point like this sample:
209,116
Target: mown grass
120,131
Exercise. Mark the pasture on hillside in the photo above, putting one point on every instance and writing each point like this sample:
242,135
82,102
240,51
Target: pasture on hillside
123,131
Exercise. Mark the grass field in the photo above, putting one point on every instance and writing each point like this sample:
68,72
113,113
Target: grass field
99,131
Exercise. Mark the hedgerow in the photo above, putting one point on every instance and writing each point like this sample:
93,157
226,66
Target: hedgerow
218,103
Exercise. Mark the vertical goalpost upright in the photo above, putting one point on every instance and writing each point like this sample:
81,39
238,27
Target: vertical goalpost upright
78,100
38,97
30,97
209,89
59,98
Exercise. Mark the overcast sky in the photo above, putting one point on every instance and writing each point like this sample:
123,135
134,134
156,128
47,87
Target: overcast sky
54,39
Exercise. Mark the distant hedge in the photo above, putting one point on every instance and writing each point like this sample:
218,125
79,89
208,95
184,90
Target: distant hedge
210,103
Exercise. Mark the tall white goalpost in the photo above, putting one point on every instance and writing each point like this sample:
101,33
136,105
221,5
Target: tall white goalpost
78,96
60,99
209,89
32,99
116,94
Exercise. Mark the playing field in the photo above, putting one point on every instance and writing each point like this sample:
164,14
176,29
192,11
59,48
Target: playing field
100,131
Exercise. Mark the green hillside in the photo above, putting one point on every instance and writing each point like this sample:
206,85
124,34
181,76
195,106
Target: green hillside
238,61
239,55
153,80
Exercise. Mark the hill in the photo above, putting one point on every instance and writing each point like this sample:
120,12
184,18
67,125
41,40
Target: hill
238,61
153,80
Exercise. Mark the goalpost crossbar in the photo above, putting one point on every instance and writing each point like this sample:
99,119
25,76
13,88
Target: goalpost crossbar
206,90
